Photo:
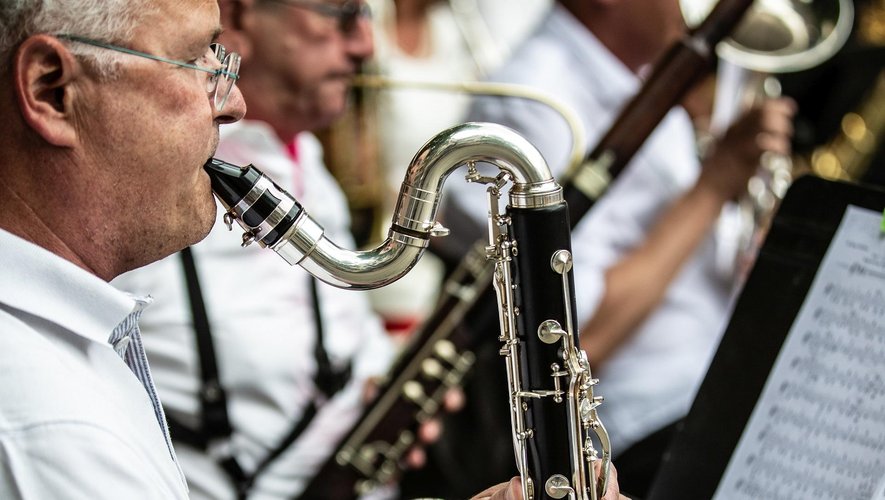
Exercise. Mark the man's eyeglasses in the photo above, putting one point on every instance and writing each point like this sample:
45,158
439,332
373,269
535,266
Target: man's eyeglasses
347,13
220,83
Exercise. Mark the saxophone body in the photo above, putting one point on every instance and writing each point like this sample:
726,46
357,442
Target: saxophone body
553,410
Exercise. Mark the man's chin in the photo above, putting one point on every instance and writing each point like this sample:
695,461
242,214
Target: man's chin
327,114
206,220
203,213
330,105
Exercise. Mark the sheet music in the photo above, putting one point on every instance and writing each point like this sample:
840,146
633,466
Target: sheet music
818,429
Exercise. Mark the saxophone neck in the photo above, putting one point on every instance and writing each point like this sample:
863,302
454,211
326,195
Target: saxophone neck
273,218
466,144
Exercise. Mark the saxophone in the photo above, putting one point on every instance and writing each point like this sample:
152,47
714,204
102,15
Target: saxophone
556,429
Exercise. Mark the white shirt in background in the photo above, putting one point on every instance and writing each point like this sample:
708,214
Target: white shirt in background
263,327
651,380
465,39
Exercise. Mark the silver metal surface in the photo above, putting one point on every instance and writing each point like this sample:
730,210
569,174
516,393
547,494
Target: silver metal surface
778,36
414,219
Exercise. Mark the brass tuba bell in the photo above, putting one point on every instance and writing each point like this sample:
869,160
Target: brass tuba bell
781,36
775,36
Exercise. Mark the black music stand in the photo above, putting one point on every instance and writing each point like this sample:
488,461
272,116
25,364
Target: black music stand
764,313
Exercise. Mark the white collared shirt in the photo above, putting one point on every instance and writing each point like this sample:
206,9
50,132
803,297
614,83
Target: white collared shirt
263,328
75,422
651,380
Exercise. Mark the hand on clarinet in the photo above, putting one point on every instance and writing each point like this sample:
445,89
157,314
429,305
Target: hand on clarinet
512,490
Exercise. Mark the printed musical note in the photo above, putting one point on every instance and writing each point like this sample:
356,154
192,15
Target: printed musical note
818,429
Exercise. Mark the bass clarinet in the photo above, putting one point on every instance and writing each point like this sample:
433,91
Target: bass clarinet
371,452
556,430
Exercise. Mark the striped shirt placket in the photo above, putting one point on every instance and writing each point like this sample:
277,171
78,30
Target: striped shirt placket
126,341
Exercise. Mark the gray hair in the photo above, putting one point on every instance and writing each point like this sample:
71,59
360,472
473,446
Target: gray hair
112,21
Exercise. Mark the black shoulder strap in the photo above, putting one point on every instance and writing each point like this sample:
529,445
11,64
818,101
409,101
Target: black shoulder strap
215,431
328,379
213,399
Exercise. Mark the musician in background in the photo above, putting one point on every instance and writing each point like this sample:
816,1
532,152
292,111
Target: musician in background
439,41
655,258
291,355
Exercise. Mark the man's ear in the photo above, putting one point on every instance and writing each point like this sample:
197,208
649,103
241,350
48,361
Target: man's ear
43,69
236,17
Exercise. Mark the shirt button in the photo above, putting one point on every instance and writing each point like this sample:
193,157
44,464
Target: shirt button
121,345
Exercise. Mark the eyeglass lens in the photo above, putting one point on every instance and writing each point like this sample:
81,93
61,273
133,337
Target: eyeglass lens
221,83
350,13
230,66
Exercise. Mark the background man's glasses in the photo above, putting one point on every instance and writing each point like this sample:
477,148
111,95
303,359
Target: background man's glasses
347,13
219,85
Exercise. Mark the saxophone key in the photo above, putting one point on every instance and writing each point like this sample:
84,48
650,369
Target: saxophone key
465,361
557,486
590,453
365,458
446,350
464,293
414,392
556,373
405,439
432,368
550,331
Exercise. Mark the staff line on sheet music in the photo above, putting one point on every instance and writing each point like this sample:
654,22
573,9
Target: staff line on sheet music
848,321
804,420
794,483
853,408
850,378
827,342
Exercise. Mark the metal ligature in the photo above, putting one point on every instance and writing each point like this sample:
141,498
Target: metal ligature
556,430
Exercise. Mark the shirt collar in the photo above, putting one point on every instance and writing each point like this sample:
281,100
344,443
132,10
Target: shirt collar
39,282
255,142
256,135
254,132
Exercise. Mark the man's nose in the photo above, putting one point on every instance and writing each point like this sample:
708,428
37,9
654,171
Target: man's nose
234,108
360,42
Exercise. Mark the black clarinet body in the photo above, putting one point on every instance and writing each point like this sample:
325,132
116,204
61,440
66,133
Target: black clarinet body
556,430
551,395
539,234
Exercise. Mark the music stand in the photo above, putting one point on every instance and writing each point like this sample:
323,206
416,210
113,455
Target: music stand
763,315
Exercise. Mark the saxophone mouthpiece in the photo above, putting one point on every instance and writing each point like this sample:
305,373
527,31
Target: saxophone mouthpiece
264,210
